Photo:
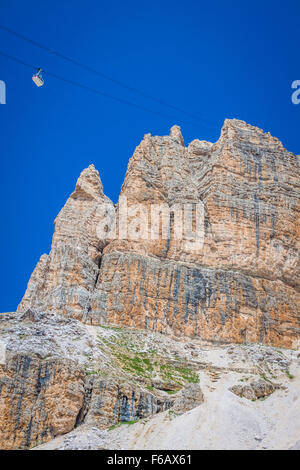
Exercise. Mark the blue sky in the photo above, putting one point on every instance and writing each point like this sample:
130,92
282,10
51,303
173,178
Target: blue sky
214,60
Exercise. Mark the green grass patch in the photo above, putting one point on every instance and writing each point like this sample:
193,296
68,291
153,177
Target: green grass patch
149,387
114,426
120,423
130,422
263,398
178,375
109,327
145,365
290,376
136,364
264,377
91,372
172,414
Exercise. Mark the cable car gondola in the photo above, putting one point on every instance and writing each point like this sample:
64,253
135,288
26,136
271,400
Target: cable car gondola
37,78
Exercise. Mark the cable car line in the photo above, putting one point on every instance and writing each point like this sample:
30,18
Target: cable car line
94,90
37,78
106,77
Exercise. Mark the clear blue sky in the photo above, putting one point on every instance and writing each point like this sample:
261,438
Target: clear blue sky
214,59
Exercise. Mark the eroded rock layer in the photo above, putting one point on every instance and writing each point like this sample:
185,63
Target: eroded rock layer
38,400
213,304
240,284
58,373
42,399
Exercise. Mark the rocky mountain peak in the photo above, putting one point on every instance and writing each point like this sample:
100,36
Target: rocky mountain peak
241,284
173,310
175,133
235,129
89,184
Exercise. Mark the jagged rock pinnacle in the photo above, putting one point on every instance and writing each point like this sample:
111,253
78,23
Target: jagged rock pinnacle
65,278
175,133
89,183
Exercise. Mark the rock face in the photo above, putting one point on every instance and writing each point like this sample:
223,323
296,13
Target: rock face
43,399
190,397
64,280
254,390
39,400
240,283
57,374
109,402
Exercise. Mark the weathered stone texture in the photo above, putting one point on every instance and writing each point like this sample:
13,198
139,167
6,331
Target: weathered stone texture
53,379
42,399
109,402
242,285
192,301
190,397
65,279
38,400
254,390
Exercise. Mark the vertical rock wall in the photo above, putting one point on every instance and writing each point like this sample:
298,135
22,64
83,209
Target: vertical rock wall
241,285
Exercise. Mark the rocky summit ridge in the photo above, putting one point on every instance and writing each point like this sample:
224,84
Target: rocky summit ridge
137,332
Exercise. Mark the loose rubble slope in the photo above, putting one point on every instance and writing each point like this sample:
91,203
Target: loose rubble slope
84,383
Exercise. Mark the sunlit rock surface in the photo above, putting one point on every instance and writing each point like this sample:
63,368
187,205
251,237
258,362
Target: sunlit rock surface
241,285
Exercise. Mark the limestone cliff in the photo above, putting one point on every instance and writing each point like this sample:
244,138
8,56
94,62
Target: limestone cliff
65,279
241,285
59,374
69,385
